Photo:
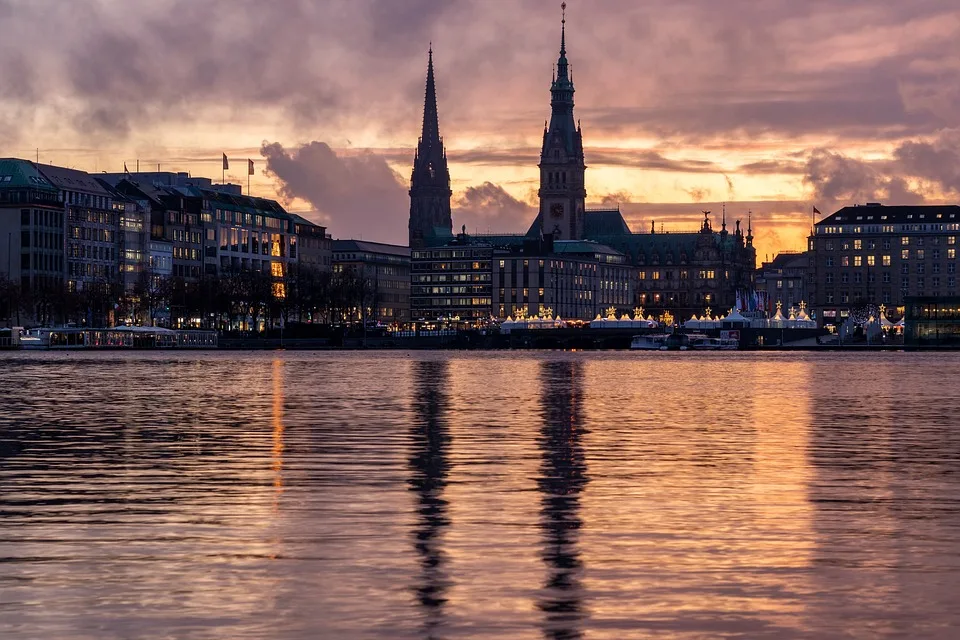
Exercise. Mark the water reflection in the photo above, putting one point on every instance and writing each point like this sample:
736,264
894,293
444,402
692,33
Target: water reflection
429,466
563,478
277,423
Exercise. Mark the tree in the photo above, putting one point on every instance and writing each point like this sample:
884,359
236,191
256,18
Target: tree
11,301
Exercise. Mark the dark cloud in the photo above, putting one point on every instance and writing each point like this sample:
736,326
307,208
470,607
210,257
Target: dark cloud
690,71
772,167
836,179
489,208
698,193
612,199
356,196
937,161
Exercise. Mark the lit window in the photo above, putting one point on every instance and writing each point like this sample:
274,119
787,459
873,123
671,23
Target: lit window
871,261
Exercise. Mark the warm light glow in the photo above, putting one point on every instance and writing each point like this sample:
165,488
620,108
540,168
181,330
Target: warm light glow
278,446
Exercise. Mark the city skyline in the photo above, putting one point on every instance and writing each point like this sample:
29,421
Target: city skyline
683,106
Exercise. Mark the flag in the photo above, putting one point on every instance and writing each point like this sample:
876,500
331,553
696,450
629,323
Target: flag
249,167
125,170
817,211
226,163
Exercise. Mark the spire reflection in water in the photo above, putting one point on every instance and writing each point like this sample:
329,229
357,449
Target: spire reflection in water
429,467
563,478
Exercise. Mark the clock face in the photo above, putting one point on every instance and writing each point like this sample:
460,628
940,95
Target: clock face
556,210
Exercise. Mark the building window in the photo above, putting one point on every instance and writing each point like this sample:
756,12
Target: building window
845,261
857,261
920,255
871,261
857,245
905,241
886,261
829,261
905,254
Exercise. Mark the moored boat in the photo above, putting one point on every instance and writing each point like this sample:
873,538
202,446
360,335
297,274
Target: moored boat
649,342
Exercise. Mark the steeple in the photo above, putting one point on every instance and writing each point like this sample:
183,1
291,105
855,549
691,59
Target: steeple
562,91
431,122
562,193
430,219
749,228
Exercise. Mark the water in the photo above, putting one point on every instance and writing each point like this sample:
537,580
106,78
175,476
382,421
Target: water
462,495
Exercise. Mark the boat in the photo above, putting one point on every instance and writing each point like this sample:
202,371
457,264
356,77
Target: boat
676,342
699,342
649,342
63,338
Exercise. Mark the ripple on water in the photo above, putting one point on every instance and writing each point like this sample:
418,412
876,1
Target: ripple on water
460,495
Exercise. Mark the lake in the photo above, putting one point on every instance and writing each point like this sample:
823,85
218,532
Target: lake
479,495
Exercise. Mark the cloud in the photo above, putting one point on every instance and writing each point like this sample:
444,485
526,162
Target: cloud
488,207
836,179
357,196
613,199
937,161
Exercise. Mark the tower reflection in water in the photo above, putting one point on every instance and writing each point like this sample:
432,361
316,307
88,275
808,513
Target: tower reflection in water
563,478
429,467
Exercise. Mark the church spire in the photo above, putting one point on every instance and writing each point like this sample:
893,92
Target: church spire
431,121
430,219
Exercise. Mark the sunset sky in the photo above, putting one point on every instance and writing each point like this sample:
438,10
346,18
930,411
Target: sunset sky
770,106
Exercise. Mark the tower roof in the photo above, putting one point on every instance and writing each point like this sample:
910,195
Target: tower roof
431,121
562,125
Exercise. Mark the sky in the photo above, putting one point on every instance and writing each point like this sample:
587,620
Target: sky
770,107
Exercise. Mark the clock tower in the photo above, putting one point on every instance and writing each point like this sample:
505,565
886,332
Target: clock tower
562,191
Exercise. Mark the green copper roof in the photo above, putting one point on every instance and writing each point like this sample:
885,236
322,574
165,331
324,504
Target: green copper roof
16,173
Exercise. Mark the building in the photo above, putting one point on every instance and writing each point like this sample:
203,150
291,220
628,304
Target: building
452,283
573,279
170,179
32,228
932,322
784,280
383,271
315,244
430,218
562,167
93,229
876,255
680,273
214,232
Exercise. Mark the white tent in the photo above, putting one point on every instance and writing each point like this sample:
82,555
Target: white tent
735,318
